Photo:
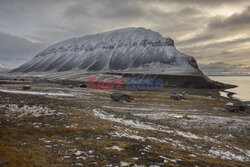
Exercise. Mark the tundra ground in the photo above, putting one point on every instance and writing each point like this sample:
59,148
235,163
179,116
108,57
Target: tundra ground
53,125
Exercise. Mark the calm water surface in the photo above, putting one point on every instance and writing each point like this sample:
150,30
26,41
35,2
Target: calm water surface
243,83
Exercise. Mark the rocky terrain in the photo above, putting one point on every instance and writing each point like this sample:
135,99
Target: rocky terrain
53,125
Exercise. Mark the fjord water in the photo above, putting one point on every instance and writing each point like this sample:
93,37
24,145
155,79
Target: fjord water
243,83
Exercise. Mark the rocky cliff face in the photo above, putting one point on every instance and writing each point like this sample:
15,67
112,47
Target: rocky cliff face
128,49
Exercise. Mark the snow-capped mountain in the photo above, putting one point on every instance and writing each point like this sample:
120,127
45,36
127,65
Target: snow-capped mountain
128,49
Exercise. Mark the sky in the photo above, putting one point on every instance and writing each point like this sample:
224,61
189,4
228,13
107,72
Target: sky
215,32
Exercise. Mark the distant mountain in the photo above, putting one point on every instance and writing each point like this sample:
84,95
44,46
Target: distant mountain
128,49
227,74
5,67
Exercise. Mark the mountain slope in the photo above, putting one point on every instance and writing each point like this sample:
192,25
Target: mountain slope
128,49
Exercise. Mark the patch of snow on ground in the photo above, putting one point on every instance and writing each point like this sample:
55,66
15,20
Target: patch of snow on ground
118,134
187,135
79,164
125,164
115,148
77,153
81,157
157,140
232,123
246,152
227,155
44,140
145,126
36,111
35,93
159,115
149,109
66,157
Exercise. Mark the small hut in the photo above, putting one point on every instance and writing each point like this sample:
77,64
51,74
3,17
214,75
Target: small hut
82,85
238,106
26,87
175,96
120,97
4,162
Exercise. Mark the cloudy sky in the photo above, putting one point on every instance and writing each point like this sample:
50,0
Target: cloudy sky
215,32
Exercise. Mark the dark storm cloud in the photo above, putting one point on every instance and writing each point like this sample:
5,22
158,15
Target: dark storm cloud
196,39
14,48
220,67
228,51
204,55
112,14
174,23
206,3
229,43
206,48
219,27
135,8
189,12
108,9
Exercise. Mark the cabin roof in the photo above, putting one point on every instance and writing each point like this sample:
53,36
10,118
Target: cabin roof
247,103
118,94
176,95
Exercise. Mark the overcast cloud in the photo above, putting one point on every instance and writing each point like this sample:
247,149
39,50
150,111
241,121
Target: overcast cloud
213,31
